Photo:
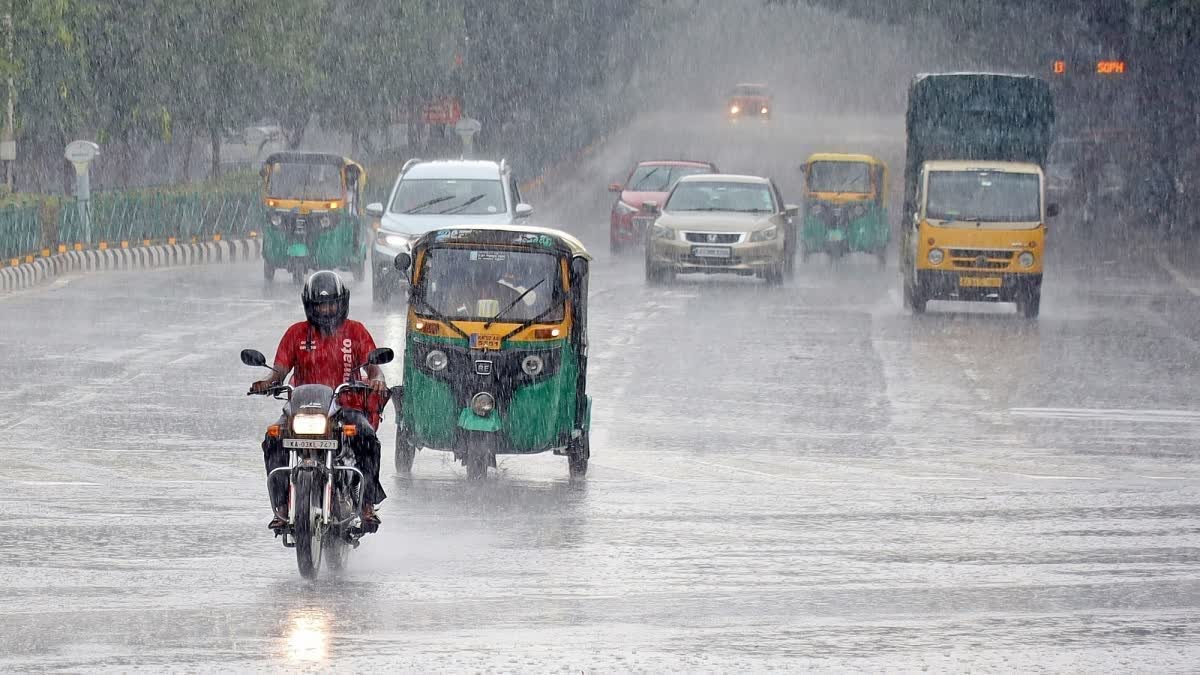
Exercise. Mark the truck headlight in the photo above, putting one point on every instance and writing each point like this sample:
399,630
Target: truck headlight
1025,259
767,234
483,403
661,232
310,425
936,256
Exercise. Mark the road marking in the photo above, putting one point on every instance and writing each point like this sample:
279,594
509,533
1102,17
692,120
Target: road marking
1111,415
962,478
1168,477
1037,476
1179,277
49,483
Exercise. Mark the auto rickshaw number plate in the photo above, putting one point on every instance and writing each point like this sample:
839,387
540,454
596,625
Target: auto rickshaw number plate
491,342
710,252
980,282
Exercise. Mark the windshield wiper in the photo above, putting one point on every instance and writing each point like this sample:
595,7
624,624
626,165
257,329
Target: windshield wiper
463,205
512,304
420,298
526,324
431,202
647,176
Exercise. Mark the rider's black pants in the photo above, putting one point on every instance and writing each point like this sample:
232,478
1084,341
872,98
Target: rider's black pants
365,445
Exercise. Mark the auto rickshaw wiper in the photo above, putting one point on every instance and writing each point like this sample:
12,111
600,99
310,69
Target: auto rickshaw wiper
527,324
463,205
431,202
420,298
512,304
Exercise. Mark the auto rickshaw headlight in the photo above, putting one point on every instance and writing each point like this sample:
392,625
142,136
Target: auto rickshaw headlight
436,360
936,256
767,234
1025,259
325,221
533,365
858,211
483,403
276,219
816,209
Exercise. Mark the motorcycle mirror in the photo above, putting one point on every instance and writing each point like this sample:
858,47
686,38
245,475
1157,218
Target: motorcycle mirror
402,261
380,356
253,357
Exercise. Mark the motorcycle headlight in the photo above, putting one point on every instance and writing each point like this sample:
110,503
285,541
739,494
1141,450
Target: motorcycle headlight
936,256
310,425
533,365
436,360
276,219
483,403
1025,259
623,208
661,232
397,240
767,234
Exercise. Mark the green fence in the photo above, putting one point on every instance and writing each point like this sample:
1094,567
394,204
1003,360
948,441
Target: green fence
133,217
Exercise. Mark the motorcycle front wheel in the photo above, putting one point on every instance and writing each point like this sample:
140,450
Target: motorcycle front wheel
308,529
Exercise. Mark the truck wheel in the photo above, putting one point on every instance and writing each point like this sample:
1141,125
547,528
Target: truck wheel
1030,305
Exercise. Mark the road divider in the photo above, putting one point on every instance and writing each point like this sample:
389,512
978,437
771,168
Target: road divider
41,270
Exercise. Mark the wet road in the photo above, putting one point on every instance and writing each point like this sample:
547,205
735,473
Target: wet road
800,477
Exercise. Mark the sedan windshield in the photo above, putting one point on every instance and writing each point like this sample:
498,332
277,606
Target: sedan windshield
321,182
839,177
984,196
449,196
478,285
714,196
660,178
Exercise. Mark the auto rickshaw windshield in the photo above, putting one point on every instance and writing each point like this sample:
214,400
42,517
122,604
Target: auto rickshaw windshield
471,284
320,182
839,177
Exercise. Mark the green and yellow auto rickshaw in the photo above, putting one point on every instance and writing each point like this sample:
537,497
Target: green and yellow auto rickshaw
845,206
314,214
495,356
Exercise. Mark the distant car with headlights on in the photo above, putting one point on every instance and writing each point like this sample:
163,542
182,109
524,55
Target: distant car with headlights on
753,101
650,180
721,223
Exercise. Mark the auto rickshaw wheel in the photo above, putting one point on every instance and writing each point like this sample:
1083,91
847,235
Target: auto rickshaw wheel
268,270
480,454
380,291
577,456
406,452
297,276
359,269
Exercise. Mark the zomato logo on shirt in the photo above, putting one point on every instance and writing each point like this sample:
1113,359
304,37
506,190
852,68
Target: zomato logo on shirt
314,358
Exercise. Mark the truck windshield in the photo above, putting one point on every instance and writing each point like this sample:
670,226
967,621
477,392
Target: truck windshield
984,196
473,284
839,177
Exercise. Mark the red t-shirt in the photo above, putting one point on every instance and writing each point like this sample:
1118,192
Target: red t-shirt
317,358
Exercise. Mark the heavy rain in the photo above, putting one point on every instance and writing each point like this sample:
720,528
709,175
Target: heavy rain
708,336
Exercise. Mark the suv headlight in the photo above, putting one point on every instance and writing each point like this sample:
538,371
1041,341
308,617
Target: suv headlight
309,425
396,240
623,208
663,232
767,234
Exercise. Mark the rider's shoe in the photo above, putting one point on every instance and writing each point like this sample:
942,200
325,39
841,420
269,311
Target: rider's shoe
280,520
370,520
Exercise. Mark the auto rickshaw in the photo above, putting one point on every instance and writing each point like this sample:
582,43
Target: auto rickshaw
314,213
495,355
845,208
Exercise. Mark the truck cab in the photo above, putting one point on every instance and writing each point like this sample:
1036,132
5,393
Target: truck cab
978,233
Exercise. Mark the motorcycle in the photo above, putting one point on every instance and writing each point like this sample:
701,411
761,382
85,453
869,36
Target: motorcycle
325,488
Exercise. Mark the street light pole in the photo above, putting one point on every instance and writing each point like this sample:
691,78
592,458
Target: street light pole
9,151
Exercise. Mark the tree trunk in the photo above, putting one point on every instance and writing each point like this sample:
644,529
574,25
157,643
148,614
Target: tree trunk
214,135
187,157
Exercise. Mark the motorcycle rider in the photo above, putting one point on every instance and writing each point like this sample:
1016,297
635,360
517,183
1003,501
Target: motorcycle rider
323,349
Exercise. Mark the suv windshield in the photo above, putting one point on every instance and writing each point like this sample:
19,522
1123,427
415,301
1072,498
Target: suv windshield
449,196
660,178
839,177
477,285
321,182
716,196
984,196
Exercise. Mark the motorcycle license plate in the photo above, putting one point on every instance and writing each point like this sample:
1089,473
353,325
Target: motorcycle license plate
491,342
979,282
710,252
310,444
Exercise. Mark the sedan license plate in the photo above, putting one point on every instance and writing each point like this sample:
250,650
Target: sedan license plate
491,342
980,282
711,252
310,444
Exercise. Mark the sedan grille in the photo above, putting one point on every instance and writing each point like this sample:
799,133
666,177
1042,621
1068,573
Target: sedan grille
712,237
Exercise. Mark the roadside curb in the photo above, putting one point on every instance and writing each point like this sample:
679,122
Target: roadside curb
27,275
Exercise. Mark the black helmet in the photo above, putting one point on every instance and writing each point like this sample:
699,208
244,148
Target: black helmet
321,288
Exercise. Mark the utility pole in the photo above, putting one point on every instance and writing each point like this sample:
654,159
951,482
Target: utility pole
8,145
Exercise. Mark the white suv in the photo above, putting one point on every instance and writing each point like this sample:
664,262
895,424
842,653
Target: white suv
429,195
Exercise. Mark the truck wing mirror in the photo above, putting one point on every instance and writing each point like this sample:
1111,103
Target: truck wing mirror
1051,210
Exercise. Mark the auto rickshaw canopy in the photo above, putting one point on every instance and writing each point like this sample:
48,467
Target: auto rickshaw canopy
557,241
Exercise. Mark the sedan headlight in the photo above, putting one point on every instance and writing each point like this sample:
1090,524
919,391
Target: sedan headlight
936,256
533,365
623,208
662,232
436,360
1025,259
310,425
483,403
276,219
768,234
396,240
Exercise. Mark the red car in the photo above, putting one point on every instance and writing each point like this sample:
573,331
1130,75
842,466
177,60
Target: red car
650,181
